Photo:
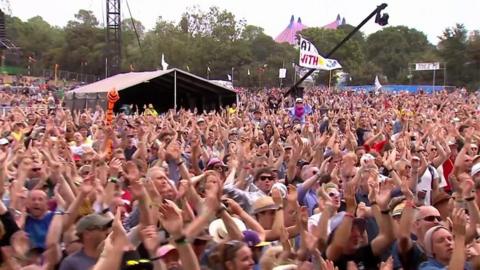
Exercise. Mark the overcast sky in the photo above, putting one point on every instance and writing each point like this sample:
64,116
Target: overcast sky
428,16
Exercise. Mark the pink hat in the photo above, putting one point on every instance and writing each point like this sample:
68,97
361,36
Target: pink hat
215,161
165,249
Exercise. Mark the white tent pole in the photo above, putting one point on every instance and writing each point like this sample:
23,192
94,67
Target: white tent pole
175,90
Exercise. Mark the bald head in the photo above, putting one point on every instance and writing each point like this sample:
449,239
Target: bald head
37,203
426,218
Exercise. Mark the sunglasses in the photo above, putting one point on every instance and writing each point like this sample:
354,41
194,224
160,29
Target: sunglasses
264,178
333,194
218,167
36,169
99,228
432,218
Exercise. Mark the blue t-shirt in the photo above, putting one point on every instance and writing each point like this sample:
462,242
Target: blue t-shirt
433,264
37,229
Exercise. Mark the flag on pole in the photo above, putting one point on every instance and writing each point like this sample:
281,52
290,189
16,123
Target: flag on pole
229,77
188,68
377,84
248,72
310,58
164,64
208,69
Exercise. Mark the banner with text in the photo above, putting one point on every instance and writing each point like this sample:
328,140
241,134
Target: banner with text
427,66
310,58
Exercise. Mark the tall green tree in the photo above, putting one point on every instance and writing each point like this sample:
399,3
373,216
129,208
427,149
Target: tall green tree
452,48
392,49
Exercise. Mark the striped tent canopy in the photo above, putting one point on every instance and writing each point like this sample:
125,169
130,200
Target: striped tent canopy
289,34
335,24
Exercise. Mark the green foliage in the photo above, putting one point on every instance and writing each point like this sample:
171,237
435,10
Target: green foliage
215,38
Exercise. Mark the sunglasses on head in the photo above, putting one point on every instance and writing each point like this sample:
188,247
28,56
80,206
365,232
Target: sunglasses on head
264,178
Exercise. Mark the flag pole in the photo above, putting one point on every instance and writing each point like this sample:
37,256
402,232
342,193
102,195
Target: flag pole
175,90
329,80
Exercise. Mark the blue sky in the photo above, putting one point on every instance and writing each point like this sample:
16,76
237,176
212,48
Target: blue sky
428,16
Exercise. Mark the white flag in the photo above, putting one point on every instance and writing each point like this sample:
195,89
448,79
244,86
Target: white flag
248,72
332,64
208,69
377,84
164,64
310,58
188,68
229,77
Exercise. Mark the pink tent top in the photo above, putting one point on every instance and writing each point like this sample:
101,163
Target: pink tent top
289,34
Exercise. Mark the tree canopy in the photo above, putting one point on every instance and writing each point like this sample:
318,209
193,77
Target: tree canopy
217,40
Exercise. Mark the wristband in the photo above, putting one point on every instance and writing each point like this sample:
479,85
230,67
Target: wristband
469,199
113,179
181,240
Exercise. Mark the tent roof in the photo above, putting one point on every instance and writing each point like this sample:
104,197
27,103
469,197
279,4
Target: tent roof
127,80
290,32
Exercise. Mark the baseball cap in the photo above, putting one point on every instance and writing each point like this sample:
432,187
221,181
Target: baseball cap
93,220
287,146
215,161
165,249
264,204
398,209
252,239
366,157
3,141
298,100
201,119
475,169
360,223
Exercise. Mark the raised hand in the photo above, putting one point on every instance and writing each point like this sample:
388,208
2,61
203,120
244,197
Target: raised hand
171,218
459,219
349,197
115,167
149,238
233,206
277,196
173,151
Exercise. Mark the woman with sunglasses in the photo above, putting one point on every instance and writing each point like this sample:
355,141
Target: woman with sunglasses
231,255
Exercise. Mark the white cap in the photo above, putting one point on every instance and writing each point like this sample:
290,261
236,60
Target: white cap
475,169
365,158
299,100
3,141
416,157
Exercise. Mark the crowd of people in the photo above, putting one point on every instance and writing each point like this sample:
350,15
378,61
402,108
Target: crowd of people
330,180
